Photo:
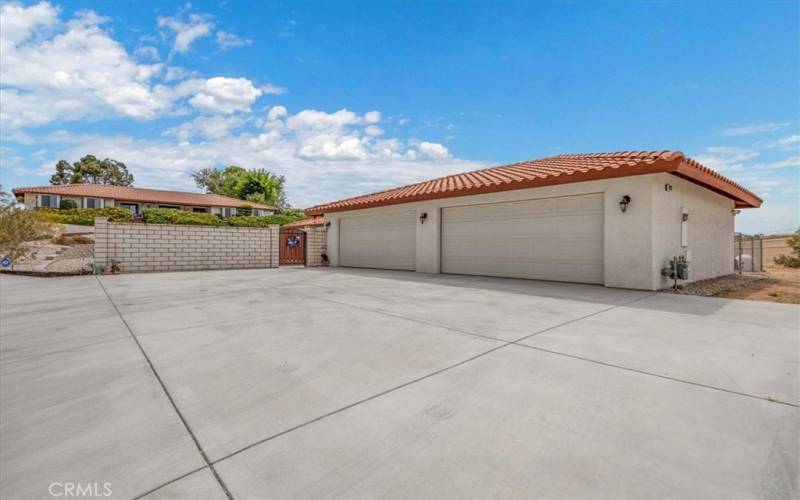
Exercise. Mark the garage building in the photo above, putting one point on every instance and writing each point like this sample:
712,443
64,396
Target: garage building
614,219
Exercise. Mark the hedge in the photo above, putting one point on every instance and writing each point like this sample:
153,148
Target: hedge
172,216
84,216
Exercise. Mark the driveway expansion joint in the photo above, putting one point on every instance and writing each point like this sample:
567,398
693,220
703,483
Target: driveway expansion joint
169,397
503,343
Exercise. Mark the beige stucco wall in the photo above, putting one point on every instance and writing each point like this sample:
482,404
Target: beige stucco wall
709,228
635,242
29,199
167,247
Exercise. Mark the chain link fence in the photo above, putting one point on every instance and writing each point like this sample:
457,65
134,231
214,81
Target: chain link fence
748,253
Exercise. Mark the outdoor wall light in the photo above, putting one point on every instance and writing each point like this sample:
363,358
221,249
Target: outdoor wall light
624,202
328,224
422,217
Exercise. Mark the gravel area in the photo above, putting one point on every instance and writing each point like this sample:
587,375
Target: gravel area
715,286
50,259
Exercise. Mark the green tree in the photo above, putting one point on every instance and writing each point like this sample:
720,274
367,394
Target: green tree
256,185
794,259
90,170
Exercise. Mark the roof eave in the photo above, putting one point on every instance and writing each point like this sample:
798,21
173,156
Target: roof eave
679,166
591,175
711,180
21,191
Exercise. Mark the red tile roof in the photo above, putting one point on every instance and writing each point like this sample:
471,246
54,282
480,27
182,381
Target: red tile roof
141,195
550,171
314,221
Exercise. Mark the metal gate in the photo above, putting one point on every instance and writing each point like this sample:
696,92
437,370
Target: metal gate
292,246
748,253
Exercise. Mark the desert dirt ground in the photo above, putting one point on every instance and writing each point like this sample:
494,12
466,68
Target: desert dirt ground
781,284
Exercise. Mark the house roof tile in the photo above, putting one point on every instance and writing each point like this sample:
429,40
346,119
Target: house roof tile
314,221
141,195
561,169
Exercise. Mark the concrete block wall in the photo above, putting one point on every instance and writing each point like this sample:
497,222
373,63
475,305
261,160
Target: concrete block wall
316,245
168,247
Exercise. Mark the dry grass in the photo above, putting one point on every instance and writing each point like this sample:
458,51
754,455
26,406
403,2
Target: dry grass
780,284
70,240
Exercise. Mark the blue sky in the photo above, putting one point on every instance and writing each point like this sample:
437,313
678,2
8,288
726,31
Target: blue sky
345,98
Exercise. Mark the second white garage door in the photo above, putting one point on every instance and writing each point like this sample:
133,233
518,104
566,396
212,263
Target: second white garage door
385,241
559,239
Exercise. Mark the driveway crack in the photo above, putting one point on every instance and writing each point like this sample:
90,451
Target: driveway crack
171,400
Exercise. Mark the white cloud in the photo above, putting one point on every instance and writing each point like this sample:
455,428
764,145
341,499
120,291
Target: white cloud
227,40
17,22
148,52
206,127
173,73
775,181
320,120
186,31
372,117
791,143
725,158
226,95
52,70
276,112
324,156
755,129
433,150
792,161
373,130
273,89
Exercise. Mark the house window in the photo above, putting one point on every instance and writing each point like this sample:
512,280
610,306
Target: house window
228,212
133,207
48,201
170,207
199,210
94,203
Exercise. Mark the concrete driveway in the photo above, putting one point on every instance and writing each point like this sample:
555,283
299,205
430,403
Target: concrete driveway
308,383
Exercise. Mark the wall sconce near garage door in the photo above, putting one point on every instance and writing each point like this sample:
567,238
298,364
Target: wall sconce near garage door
624,202
423,217
327,224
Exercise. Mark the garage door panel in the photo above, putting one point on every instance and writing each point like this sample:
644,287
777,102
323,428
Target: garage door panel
382,241
554,239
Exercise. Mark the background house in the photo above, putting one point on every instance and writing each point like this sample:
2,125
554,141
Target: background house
134,199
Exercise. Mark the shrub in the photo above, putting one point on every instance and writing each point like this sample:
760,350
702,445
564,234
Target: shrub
170,216
66,204
18,226
244,210
262,221
791,260
84,216
249,221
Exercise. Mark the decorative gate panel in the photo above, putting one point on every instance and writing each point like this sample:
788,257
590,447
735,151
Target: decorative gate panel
292,247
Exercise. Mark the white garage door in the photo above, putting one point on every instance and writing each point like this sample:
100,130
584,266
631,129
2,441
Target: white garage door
559,239
386,241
